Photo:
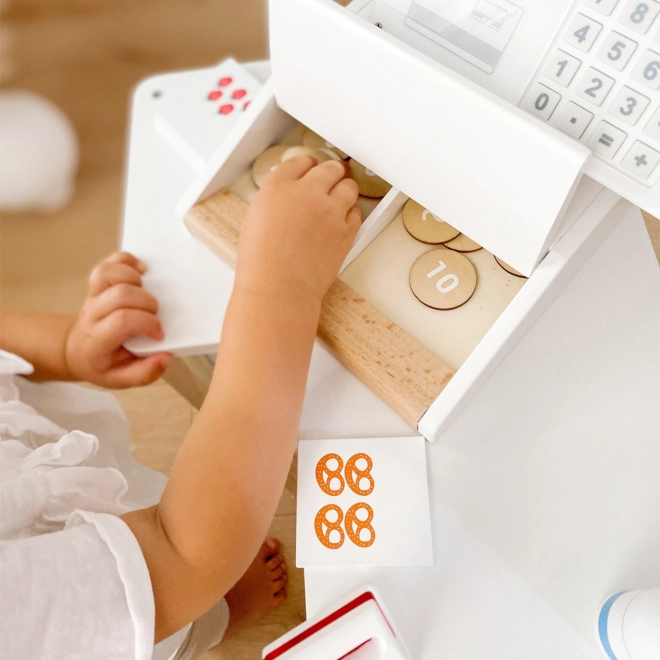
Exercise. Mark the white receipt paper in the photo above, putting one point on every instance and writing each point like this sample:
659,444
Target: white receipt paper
363,502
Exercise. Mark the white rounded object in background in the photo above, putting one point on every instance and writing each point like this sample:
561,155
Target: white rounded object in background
38,153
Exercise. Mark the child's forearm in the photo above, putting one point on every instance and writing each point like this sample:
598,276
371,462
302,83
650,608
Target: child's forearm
40,339
229,474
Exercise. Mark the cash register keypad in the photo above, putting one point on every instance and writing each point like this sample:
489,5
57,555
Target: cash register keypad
600,84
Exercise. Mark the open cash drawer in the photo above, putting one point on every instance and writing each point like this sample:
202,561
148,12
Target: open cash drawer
424,363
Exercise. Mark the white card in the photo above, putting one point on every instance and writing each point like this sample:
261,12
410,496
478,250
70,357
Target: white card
383,506
195,110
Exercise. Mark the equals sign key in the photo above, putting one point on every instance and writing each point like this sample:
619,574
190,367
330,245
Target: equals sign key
607,140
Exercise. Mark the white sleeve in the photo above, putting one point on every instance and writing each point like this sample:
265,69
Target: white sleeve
82,592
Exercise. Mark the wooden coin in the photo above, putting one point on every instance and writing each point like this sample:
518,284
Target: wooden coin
333,154
421,224
321,155
509,269
311,139
369,183
462,244
267,162
443,279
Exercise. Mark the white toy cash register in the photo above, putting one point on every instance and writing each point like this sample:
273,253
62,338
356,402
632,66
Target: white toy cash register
532,127
520,125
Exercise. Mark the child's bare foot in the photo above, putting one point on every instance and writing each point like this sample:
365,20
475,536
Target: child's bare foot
260,590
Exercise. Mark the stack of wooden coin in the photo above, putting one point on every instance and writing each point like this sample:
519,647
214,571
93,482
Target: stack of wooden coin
428,228
441,278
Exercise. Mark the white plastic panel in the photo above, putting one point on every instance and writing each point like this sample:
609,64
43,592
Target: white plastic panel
484,166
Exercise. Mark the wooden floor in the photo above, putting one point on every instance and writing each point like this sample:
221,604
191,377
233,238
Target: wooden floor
86,56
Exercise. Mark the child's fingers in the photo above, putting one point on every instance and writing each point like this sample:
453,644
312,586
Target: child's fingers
126,258
122,324
354,220
292,169
108,274
346,193
141,371
122,296
327,175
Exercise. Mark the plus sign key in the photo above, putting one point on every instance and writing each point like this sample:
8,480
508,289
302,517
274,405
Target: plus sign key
641,161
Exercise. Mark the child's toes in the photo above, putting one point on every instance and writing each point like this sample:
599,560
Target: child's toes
269,548
279,597
274,562
278,572
279,584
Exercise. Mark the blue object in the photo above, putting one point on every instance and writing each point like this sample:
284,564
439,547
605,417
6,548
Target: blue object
602,624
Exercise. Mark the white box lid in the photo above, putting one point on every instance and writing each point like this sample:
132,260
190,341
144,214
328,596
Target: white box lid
481,164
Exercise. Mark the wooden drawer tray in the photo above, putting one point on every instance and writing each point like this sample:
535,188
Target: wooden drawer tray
424,363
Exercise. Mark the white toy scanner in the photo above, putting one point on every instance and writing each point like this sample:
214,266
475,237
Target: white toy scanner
357,627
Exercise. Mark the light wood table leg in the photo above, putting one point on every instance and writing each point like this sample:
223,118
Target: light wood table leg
191,377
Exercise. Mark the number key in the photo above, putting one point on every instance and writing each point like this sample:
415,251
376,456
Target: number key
639,15
603,6
629,106
562,68
653,127
543,101
616,51
595,86
647,70
582,32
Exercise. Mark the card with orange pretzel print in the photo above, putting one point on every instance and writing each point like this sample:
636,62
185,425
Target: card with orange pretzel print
363,502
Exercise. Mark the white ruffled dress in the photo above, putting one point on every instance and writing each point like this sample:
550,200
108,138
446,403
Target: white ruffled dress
73,580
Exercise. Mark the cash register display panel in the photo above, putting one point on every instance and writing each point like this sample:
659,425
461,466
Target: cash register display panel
589,68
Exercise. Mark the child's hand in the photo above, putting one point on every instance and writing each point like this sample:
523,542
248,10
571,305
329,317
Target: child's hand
116,308
299,229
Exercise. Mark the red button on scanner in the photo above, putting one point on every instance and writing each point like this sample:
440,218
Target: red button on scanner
215,95
223,82
226,108
239,94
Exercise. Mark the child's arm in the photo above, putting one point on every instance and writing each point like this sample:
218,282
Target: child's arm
230,472
88,346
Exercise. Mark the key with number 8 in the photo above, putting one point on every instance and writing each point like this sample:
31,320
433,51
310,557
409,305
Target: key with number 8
639,15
